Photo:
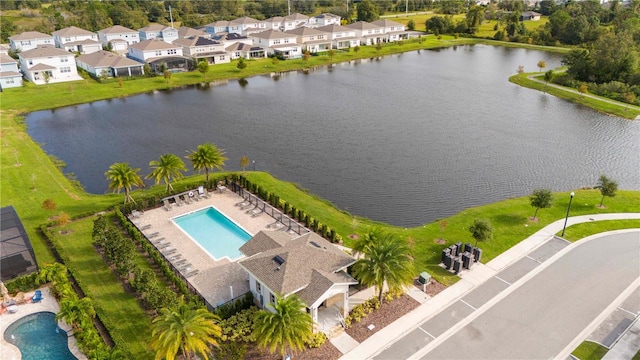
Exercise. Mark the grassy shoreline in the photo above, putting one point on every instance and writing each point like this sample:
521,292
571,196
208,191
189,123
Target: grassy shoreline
29,176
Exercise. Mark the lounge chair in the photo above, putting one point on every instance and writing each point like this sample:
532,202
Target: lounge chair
145,227
206,193
202,193
37,297
169,251
135,213
187,199
152,235
163,245
174,257
256,212
194,195
192,273
178,201
167,205
243,203
160,241
249,206
180,262
185,267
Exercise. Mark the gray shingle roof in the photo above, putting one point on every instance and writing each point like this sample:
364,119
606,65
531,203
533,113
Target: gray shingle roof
272,34
72,31
301,256
117,29
334,28
43,51
386,23
243,20
6,59
305,31
153,44
265,240
106,59
30,35
363,25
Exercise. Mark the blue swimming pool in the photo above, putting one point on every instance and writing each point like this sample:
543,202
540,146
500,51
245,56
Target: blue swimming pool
39,338
214,232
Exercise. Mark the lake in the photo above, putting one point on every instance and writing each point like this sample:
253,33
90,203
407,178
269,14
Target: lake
406,139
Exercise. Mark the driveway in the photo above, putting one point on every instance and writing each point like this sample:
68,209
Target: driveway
541,317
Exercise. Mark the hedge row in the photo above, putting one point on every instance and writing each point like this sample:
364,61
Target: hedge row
288,209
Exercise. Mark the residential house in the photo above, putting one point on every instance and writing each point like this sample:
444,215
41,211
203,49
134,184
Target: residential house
158,31
118,38
247,51
29,40
157,53
9,74
530,16
246,25
278,43
217,27
394,31
4,49
308,266
48,63
312,40
293,21
203,48
369,34
229,39
106,63
187,32
324,20
75,39
341,37
275,23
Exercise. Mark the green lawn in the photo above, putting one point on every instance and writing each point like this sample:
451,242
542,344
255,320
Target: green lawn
618,109
589,351
126,320
580,231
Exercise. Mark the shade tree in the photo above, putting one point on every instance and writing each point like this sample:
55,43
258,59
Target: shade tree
541,199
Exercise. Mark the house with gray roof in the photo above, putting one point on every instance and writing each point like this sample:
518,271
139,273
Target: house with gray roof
47,63
203,48
368,33
342,37
312,40
394,31
324,20
216,27
118,38
308,266
75,39
10,76
278,43
157,53
247,51
158,31
29,40
106,63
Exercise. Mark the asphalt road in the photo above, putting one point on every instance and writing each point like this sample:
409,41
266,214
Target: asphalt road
542,316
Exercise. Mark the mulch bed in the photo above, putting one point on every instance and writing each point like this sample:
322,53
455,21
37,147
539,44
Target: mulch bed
325,352
432,289
383,316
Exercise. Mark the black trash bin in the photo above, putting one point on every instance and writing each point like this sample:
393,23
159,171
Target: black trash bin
477,253
459,248
448,262
468,247
466,258
454,250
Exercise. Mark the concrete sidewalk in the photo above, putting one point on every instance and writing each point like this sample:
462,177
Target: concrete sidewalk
469,280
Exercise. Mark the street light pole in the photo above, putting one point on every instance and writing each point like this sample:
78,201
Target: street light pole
567,217
254,165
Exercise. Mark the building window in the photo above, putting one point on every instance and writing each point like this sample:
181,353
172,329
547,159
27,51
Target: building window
273,298
64,59
258,287
221,57
158,53
276,42
65,69
9,81
172,51
67,39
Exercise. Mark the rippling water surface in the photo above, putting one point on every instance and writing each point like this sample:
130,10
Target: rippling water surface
406,139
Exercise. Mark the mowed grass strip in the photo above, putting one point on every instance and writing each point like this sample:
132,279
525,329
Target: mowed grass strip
590,351
126,319
581,231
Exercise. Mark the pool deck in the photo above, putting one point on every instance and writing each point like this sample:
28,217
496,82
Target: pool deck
9,351
216,278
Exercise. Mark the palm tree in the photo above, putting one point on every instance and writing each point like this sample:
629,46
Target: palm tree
169,166
76,312
207,156
186,330
122,176
288,328
385,259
